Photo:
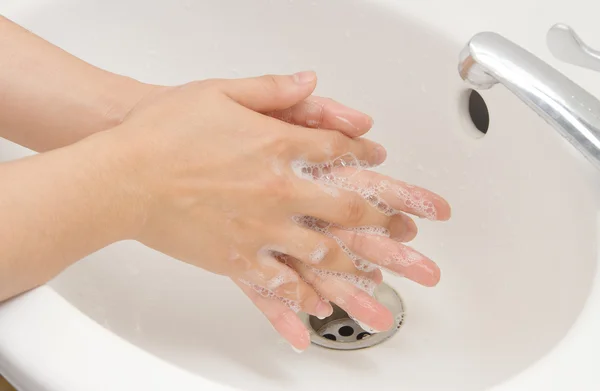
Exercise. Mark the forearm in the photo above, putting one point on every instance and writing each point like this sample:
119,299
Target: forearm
58,207
49,98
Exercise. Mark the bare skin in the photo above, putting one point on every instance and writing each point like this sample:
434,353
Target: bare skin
202,172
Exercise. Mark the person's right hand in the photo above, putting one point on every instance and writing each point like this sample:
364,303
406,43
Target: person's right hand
213,184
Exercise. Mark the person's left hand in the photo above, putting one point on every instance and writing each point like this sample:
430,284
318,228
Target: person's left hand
320,112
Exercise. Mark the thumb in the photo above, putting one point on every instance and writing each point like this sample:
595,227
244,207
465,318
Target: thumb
271,92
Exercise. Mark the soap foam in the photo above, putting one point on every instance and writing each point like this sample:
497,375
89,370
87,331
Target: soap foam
318,254
325,174
365,284
404,257
287,260
323,228
267,293
278,281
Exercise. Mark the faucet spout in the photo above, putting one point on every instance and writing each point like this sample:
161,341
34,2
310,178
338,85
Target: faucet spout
489,59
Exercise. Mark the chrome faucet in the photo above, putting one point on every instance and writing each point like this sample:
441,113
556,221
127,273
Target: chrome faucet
490,58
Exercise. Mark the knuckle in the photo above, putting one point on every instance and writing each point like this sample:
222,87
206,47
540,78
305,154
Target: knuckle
289,291
203,89
279,319
313,279
305,297
355,242
338,143
281,188
313,112
208,84
270,83
279,143
354,209
333,250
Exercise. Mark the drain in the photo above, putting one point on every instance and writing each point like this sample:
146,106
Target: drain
340,332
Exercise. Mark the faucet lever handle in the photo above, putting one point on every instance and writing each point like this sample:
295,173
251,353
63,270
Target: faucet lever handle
566,45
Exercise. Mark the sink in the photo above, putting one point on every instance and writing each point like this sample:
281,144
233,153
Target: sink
518,258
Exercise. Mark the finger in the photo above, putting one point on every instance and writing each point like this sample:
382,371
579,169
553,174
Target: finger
330,147
402,228
391,196
377,276
283,319
271,278
359,304
338,206
270,92
323,250
392,256
318,112
335,199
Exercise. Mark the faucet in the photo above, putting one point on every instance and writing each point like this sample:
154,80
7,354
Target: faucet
489,58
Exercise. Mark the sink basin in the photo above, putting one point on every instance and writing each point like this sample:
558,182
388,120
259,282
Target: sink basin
517,300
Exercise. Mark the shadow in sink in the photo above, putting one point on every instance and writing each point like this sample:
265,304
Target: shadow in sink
199,321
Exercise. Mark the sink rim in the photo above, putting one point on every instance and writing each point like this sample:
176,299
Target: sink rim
19,317
30,364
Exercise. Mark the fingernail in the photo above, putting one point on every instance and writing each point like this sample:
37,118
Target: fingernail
366,327
323,310
381,154
304,77
295,349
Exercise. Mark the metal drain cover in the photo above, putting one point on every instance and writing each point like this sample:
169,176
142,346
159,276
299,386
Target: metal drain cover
340,332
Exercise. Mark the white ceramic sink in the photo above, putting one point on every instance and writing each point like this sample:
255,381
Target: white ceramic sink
518,305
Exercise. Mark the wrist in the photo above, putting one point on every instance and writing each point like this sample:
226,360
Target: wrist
114,169
120,95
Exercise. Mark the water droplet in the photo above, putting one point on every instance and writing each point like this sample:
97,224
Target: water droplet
420,167
348,33
423,88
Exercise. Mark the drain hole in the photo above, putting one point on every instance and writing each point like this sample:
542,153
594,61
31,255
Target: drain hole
363,335
346,331
340,332
478,111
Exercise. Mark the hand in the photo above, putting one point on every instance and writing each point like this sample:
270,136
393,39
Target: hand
325,113
217,186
